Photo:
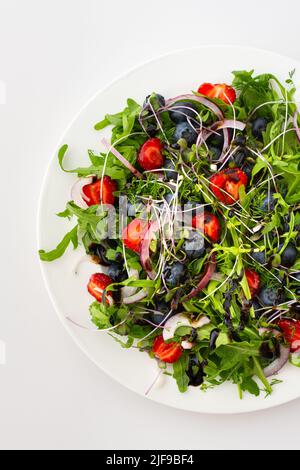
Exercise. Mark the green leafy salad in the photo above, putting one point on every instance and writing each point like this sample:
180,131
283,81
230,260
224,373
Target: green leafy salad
191,216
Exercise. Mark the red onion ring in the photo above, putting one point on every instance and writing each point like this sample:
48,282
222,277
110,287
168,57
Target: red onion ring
206,278
136,297
230,124
122,159
295,122
209,104
145,250
77,193
278,364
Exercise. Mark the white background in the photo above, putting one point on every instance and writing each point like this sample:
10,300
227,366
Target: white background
54,55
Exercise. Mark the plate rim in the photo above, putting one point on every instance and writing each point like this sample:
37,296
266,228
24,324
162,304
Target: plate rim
42,194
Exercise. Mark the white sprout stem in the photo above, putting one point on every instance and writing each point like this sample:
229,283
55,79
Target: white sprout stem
155,382
92,330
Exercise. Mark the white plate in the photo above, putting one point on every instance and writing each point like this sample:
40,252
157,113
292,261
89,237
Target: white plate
171,75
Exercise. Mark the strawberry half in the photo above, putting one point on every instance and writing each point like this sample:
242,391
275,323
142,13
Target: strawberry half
219,90
168,353
105,187
209,224
98,283
291,331
253,280
150,155
226,184
134,234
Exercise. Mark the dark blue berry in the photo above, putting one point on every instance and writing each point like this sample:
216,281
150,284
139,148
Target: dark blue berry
174,275
160,99
259,126
269,203
117,273
181,113
171,174
289,256
194,246
185,131
270,296
259,257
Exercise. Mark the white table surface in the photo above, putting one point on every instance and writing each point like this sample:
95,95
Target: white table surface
54,55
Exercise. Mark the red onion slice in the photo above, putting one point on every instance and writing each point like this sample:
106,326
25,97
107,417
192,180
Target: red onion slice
77,193
136,298
278,364
209,272
230,124
145,250
179,320
200,99
128,291
295,122
123,160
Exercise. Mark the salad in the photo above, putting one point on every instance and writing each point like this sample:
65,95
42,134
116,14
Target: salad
191,215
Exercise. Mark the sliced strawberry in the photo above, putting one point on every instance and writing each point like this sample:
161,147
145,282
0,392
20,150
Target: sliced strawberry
134,234
291,331
150,155
209,224
98,283
219,90
104,187
169,353
226,184
253,280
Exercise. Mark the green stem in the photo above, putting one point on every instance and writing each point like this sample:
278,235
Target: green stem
260,374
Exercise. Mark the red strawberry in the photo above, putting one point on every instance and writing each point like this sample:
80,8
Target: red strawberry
219,90
105,187
291,331
169,353
209,224
253,281
134,234
150,155
226,184
98,283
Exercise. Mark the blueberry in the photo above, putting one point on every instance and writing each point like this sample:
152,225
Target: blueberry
247,168
181,113
259,126
289,256
170,166
194,246
160,99
185,131
174,274
259,257
269,203
162,309
216,152
169,198
239,157
270,296
216,140
116,272
152,130
240,140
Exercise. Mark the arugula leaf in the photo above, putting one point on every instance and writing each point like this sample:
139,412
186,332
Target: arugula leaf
235,353
71,237
179,373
